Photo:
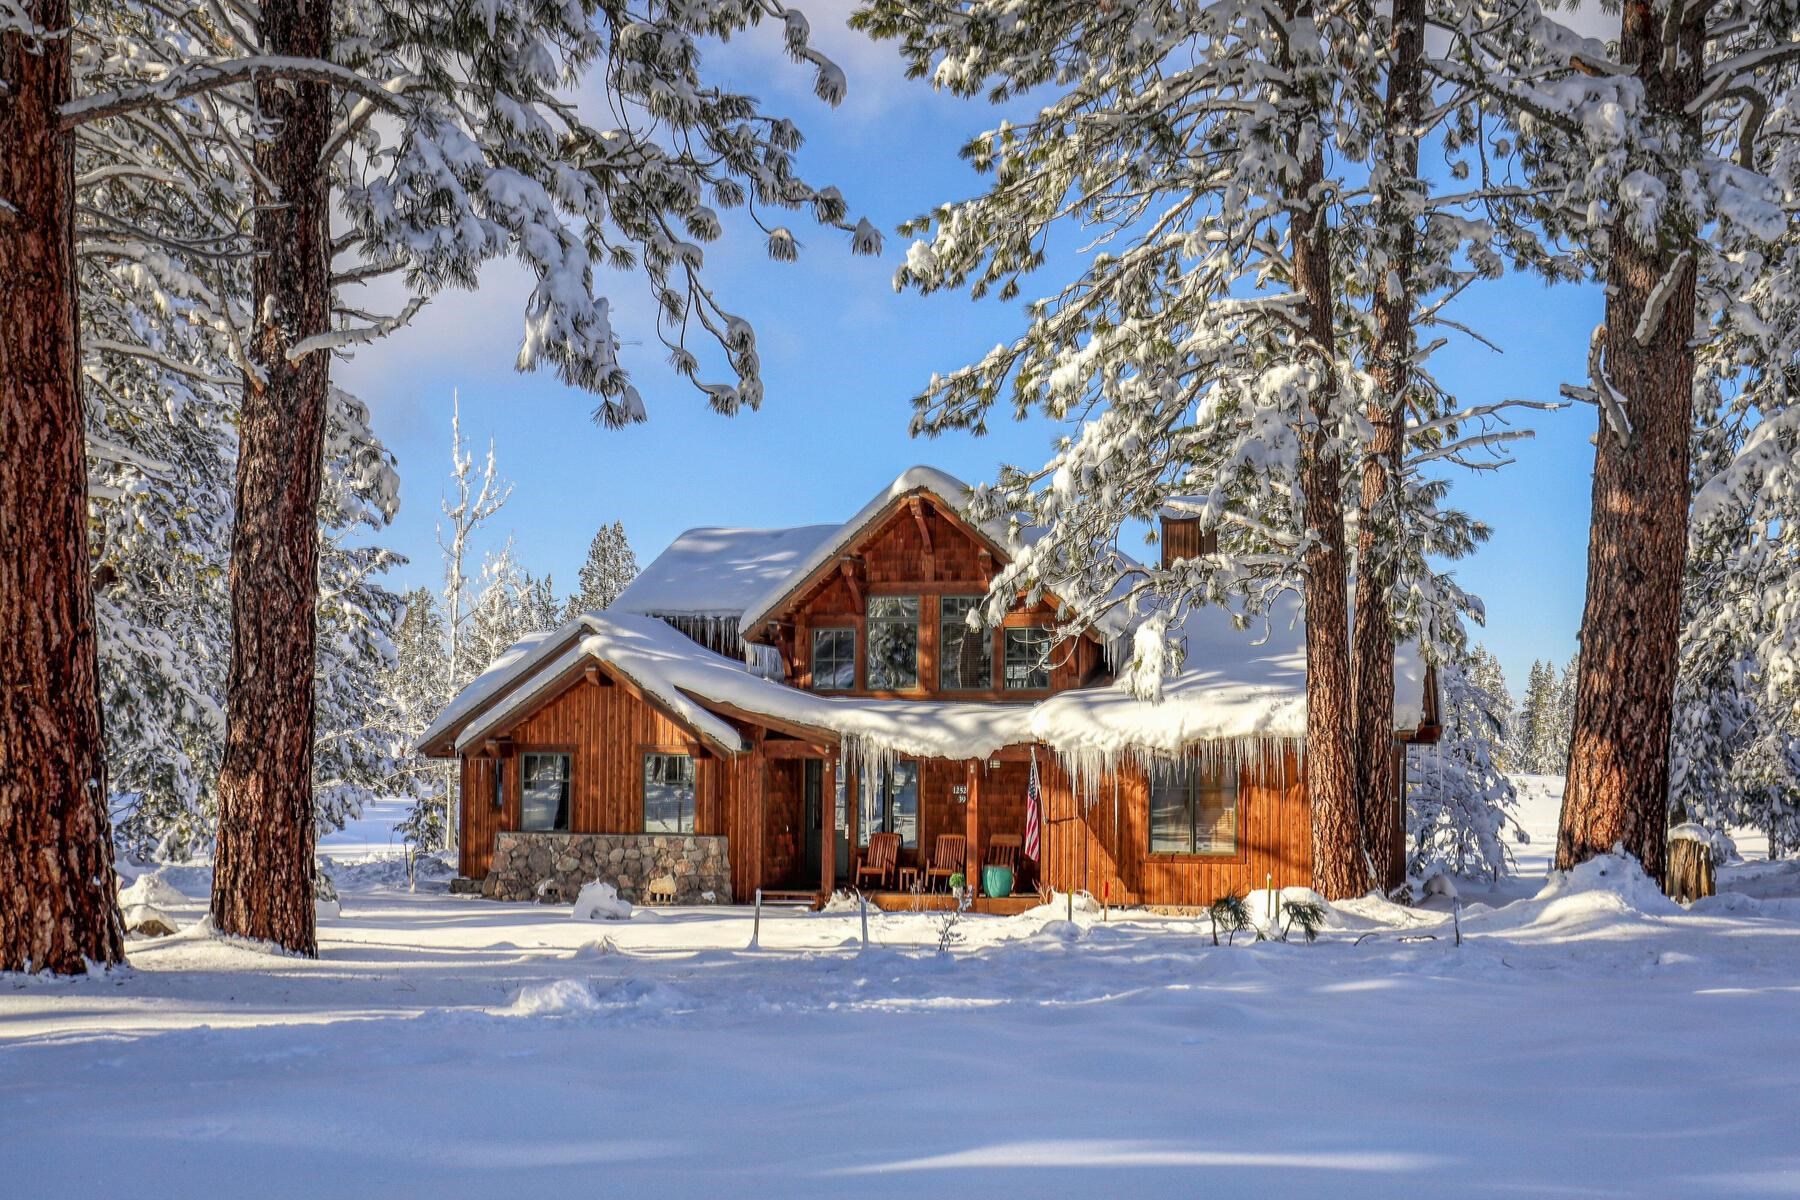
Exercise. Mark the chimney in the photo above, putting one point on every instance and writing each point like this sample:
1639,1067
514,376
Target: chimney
1182,537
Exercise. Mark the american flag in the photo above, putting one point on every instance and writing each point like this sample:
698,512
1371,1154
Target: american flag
1034,817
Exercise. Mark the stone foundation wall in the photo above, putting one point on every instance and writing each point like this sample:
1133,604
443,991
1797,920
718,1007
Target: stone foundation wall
559,863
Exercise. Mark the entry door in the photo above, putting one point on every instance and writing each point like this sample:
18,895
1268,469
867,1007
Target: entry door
815,821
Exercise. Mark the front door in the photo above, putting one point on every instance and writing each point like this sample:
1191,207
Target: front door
814,818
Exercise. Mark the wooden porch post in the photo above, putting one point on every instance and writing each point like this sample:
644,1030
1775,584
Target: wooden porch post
852,818
972,829
828,826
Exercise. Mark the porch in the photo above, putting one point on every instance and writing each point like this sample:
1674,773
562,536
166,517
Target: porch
821,815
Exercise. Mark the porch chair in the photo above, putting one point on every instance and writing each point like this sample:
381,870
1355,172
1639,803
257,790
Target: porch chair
881,860
1003,851
948,856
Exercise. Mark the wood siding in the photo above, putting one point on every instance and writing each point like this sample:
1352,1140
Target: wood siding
606,731
1100,843
893,559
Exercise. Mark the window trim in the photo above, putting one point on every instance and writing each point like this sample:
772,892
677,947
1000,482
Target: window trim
1239,851
645,753
812,658
526,752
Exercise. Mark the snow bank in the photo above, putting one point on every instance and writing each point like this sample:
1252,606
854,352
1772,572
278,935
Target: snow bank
154,891
558,998
149,921
600,901
1590,899
580,997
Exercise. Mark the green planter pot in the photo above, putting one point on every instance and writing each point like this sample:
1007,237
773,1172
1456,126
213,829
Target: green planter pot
997,881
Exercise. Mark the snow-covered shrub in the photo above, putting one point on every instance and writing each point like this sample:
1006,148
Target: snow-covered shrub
599,901
1458,803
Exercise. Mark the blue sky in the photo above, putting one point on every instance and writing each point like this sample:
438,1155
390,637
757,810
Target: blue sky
843,354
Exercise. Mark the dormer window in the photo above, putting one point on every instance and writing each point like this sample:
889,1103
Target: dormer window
893,643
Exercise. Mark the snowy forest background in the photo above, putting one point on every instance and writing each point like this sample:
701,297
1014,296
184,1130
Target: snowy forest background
164,310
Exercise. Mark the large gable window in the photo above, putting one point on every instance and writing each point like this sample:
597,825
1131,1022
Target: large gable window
668,793
1027,659
1194,811
893,643
544,793
833,660
966,662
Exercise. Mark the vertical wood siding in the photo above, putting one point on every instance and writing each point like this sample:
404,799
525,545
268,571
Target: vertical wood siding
606,731
1088,847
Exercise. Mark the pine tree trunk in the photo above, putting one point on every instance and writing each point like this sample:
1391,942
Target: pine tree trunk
262,882
1372,649
1339,867
59,906
1618,783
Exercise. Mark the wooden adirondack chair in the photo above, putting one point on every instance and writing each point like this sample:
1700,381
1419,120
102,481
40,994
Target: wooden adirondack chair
1003,851
949,856
881,860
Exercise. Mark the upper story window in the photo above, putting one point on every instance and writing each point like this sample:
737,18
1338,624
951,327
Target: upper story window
668,793
965,655
544,792
833,660
1027,659
1194,811
893,643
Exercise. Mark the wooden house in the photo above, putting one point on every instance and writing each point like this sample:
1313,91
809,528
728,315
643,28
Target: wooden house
761,707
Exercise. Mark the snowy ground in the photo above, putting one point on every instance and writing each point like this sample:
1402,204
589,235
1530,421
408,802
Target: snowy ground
1591,1042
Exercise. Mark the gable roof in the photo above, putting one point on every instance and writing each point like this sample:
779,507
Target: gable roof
1230,690
1003,538
715,572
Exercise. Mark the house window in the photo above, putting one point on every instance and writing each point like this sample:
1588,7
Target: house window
893,643
833,660
668,793
1027,659
1194,811
892,804
544,793
966,654
498,768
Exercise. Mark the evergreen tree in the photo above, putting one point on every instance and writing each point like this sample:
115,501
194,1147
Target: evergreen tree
419,691
1484,672
511,603
1663,158
1458,799
609,568
1533,737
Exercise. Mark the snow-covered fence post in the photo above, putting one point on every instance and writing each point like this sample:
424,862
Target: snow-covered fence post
756,923
862,903
1456,917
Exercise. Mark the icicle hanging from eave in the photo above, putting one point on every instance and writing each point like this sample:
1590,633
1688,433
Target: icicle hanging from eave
1276,758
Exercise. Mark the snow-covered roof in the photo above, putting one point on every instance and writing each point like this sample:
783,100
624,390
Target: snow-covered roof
511,664
954,494
1230,690
719,572
1233,686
